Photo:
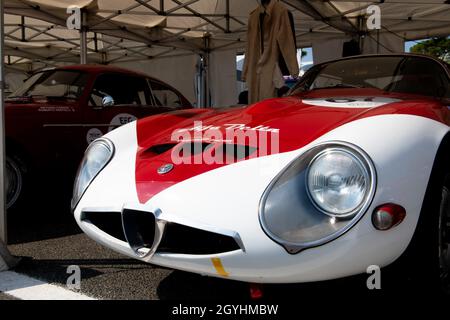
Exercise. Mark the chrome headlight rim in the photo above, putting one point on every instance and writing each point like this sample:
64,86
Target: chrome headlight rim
110,145
365,163
295,248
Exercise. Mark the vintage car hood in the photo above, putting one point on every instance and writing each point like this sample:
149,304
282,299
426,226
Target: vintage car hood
294,122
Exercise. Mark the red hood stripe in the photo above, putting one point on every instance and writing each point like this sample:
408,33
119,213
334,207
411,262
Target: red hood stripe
299,124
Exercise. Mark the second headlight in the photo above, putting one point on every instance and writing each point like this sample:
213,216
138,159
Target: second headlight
318,197
96,157
338,182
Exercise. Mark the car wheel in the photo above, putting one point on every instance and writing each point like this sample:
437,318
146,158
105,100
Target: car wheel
425,263
444,239
430,250
14,178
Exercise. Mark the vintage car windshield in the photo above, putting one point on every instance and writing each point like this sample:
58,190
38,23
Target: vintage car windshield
55,84
401,74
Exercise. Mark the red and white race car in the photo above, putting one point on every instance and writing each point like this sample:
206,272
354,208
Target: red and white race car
348,171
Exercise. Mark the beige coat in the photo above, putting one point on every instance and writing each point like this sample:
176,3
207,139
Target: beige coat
261,70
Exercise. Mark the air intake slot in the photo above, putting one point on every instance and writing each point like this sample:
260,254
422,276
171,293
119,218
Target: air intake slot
108,222
139,229
181,239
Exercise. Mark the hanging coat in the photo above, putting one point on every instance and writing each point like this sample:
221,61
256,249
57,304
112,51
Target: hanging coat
261,69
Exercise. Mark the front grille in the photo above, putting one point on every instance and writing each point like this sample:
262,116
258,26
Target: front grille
139,228
108,222
186,240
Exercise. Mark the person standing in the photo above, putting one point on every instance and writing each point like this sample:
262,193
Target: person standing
270,36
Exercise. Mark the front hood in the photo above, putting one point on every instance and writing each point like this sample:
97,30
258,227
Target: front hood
280,125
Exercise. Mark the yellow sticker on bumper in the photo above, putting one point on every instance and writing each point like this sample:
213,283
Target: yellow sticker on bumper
217,263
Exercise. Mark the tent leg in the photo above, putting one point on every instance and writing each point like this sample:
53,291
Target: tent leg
2,129
83,39
206,81
206,87
199,82
6,260
83,47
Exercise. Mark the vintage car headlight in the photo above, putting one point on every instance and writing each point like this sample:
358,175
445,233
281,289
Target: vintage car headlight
338,182
318,197
96,157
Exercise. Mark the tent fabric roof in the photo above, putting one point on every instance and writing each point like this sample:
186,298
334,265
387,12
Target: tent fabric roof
133,30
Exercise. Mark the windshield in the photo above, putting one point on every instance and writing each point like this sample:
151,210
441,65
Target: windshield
413,75
55,84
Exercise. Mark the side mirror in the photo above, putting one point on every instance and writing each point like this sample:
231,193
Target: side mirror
107,101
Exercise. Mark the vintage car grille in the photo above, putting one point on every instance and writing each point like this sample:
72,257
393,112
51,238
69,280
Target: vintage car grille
177,239
186,240
139,228
108,222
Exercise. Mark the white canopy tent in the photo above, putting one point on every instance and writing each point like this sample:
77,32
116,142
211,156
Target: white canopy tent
183,24
142,33
176,39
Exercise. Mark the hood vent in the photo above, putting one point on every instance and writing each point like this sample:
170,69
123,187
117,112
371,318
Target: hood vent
236,152
194,148
228,152
160,148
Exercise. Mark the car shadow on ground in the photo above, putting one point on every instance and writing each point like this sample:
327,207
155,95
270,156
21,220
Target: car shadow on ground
213,289
179,285
37,224
44,215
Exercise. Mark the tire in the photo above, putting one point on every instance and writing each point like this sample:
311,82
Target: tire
444,239
425,264
14,181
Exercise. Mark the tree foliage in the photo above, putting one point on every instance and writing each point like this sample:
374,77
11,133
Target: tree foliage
436,47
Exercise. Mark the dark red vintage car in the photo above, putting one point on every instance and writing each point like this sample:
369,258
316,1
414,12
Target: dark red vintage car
52,118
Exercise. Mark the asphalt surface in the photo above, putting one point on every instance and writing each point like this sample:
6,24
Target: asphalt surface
48,240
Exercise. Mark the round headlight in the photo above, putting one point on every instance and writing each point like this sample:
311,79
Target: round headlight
96,157
318,197
338,182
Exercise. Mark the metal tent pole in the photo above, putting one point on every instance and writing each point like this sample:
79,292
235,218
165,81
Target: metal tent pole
83,38
206,61
3,233
6,260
